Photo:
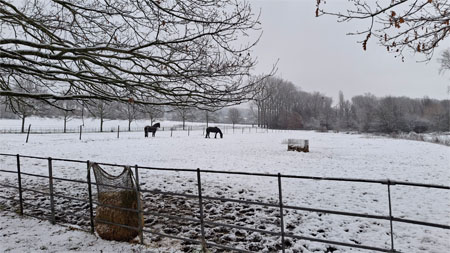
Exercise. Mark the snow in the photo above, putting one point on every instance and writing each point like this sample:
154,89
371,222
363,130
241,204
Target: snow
331,155
32,235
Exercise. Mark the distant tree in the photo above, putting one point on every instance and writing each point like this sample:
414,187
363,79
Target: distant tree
184,113
365,108
101,110
234,115
418,25
129,109
445,61
390,115
344,113
67,111
153,112
21,106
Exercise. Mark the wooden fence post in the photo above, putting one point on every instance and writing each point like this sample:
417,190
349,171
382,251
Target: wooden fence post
50,181
200,202
139,205
28,132
19,178
91,208
390,215
280,200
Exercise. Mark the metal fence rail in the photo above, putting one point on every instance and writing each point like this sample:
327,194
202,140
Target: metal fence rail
200,220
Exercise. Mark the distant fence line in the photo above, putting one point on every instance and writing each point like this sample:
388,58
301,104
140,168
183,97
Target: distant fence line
201,197
46,130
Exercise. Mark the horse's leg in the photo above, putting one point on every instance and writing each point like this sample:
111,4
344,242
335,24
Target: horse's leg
146,134
153,134
215,136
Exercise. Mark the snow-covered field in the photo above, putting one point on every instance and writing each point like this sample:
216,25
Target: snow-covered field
331,155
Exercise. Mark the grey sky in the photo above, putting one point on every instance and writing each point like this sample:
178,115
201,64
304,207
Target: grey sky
317,55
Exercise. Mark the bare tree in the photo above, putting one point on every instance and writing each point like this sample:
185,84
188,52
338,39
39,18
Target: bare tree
445,61
418,25
365,109
130,111
23,109
152,111
234,115
180,52
100,109
184,113
67,112
21,106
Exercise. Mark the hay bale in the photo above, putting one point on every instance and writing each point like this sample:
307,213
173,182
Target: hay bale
125,199
298,145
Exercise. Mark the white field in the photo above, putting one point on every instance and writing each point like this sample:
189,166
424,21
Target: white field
331,155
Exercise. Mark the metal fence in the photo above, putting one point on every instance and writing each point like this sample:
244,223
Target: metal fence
200,219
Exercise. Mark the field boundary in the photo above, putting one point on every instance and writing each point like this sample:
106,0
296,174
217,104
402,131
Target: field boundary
201,197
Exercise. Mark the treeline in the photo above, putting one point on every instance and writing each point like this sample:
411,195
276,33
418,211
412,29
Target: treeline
103,111
280,104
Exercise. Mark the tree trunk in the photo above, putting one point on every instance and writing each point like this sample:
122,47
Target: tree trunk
65,123
184,120
129,125
82,113
23,123
101,124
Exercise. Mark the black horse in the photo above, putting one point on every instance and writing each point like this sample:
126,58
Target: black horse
214,130
151,129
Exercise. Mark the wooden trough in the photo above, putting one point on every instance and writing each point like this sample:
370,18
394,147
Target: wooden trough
298,145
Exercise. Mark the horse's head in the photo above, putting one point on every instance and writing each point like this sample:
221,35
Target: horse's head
157,125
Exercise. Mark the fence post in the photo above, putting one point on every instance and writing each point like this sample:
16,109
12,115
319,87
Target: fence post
390,215
188,130
50,181
81,130
118,131
19,178
281,211
171,130
91,208
200,201
28,132
139,205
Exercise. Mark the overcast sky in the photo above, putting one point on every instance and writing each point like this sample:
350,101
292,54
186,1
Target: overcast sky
317,55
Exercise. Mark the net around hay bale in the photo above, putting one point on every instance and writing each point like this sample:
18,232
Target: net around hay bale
299,145
116,196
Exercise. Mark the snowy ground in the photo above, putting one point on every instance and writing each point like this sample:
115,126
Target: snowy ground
332,155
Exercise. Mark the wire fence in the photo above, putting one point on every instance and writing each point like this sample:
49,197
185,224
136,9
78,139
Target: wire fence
115,129
89,202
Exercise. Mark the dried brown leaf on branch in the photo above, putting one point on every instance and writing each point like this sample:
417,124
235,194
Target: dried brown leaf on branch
408,23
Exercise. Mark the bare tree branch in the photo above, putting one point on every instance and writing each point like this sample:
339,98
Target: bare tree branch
412,25
174,52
